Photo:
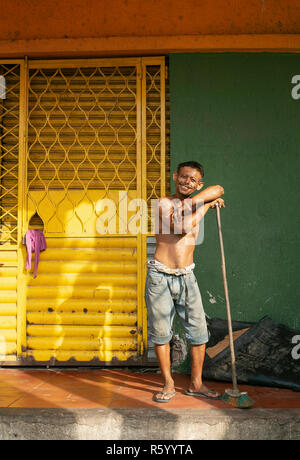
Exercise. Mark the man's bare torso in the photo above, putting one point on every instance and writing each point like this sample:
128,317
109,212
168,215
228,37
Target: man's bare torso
174,250
174,245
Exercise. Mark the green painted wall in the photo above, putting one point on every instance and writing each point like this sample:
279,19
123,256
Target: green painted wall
234,113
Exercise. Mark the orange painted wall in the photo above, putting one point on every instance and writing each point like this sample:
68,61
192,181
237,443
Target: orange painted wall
125,27
36,19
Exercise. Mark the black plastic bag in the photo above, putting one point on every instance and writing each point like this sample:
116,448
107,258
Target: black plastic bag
263,354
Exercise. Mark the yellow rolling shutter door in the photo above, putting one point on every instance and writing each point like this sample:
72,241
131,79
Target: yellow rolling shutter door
83,146
72,133
83,304
94,130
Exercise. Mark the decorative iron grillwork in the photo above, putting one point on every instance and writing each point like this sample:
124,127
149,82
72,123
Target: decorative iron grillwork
9,152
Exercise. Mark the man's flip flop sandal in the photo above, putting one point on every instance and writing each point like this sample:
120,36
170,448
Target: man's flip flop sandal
203,394
168,397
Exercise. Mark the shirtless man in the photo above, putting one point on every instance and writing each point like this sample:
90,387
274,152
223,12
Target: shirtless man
171,284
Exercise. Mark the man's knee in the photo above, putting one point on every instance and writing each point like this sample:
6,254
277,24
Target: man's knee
159,338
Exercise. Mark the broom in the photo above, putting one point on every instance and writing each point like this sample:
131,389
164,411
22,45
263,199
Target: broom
232,396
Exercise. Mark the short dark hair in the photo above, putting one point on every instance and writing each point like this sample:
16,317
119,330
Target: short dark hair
191,164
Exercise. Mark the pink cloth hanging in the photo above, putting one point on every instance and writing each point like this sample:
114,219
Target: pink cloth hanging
35,242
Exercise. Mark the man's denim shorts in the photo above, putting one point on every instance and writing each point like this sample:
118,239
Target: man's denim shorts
167,293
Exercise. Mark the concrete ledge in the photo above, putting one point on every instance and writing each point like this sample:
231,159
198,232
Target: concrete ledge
147,45
149,424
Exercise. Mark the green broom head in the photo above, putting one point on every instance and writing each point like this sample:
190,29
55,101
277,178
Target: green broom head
237,399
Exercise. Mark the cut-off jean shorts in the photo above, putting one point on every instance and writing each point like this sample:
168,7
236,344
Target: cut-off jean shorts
166,294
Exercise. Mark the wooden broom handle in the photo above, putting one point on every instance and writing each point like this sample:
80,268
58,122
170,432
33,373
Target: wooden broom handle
234,375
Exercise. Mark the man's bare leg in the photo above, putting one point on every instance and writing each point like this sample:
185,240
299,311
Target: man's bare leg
197,357
163,356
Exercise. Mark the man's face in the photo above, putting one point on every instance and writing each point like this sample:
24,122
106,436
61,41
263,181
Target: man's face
188,180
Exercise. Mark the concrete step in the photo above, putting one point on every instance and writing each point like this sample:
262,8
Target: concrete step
149,424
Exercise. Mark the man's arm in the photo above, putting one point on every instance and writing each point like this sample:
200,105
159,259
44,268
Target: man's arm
174,218
211,193
194,219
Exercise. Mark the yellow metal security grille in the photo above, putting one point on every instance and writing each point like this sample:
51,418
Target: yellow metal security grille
9,151
9,165
155,157
156,132
82,137
72,133
83,147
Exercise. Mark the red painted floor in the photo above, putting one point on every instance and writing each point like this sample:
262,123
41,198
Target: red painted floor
105,388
